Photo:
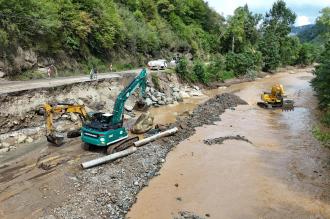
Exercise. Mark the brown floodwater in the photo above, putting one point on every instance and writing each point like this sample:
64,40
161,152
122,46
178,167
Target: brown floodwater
283,173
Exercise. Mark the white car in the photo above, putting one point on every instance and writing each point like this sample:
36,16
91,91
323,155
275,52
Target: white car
160,64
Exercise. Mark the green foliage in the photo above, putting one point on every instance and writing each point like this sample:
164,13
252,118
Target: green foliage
30,75
216,68
279,20
322,136
326,119
274,44
199,71
321,82
324,22
182,69
242,63
155,80
270,50
242,30
289,50
307,54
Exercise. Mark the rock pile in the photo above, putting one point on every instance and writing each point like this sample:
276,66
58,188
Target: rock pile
177,94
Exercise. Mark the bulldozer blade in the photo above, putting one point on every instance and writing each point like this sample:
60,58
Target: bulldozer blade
288,105
57,140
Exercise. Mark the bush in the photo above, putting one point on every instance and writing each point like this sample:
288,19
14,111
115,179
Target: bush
270,50
321,82
155,81
216,67
326,119
322,136
242,63
200,72
307,54
182,69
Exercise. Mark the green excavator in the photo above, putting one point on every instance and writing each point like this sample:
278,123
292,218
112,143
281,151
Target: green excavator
106,130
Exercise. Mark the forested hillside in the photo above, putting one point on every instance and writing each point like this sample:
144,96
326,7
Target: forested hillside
76,34
124,32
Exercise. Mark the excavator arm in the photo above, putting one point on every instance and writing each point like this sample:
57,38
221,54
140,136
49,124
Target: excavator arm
62,108
140,81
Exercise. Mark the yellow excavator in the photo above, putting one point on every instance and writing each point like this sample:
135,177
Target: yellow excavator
62,108
276,99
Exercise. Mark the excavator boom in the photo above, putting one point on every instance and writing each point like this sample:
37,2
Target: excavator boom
107,129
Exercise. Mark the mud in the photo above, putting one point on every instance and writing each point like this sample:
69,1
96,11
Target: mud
109,191
220,140
284,174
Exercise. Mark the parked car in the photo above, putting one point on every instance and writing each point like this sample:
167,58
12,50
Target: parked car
160,64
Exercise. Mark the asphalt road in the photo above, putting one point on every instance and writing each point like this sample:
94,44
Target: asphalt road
13,86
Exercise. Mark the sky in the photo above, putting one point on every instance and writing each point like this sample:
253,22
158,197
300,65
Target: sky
307,10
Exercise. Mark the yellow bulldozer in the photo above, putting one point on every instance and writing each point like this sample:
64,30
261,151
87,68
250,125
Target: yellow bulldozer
62,108
276,99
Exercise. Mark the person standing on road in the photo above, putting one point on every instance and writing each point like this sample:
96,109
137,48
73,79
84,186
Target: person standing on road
49,71
93,73
110,67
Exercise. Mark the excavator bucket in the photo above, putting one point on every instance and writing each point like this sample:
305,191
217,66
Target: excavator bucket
55,139
288,105
141,105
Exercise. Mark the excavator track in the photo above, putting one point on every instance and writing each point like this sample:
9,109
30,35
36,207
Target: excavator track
122,145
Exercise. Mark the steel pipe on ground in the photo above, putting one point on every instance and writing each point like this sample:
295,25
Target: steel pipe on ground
108,158
154,137
128,151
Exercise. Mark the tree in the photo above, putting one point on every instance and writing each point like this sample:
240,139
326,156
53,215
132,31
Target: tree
321,82
276,28
289,50
270,50
241,31
307,54
323,23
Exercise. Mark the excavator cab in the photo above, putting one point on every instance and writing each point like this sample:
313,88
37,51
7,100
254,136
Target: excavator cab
276,99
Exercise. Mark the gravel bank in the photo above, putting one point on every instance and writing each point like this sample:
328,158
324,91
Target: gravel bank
108,191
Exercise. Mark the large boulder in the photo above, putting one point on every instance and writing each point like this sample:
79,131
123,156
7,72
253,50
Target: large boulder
2,74
143,124
148,101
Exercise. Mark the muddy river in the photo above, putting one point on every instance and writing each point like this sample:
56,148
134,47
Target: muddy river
282,173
